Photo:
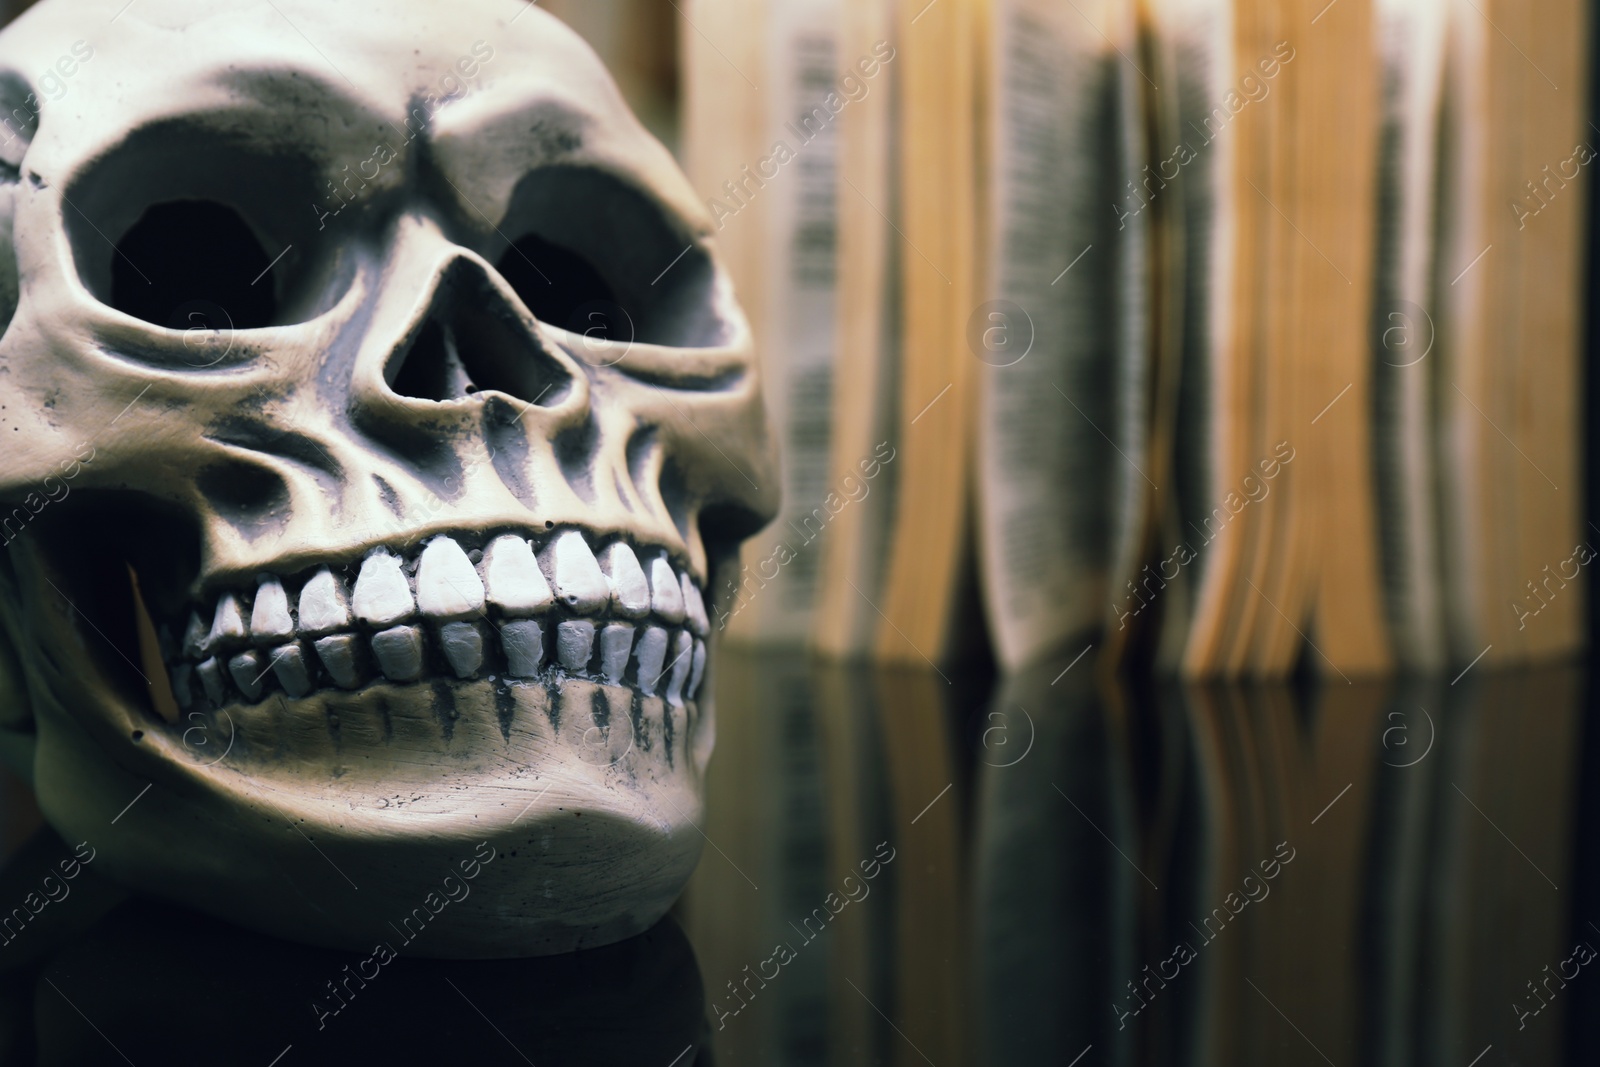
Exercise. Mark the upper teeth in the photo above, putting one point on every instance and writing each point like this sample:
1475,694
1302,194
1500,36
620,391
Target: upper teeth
630,594
515,584
323,605
575,573
382,595
270,617
451,598
447,586
666,594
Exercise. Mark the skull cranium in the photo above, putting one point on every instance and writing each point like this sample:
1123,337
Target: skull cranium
376,417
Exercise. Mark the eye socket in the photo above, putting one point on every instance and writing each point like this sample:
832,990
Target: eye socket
606,259
202,222
554,282
193,263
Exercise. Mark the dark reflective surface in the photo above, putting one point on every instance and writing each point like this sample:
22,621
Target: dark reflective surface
904,869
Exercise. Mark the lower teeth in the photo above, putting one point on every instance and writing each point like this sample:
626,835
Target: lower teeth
669,663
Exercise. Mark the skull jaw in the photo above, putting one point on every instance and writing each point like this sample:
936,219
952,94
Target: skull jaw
480,819
525,851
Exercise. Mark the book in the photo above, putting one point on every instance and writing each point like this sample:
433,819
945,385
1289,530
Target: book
1195,161
785,190
1332,552
1198,331
1514,169
1061,338
1275,176
1405,378
923,613
862,470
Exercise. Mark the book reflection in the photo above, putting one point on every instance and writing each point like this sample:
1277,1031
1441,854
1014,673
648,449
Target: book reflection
1361,873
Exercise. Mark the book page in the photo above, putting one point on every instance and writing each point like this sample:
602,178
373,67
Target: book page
794,185
1064,221
1405,423
939,50
866,440
1199,34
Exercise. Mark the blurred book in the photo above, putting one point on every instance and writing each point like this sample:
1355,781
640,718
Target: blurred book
1062,335
1229,336
855,550
1516,147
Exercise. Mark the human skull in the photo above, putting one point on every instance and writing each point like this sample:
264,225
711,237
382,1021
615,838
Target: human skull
376,417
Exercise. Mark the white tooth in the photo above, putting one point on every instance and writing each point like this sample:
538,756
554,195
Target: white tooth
382,596
516,584
524,647
398,651
210,672
339,655
698,670
616,641
323,607
629,591
694,606
462,645
269,620
194,637
247,671
575,573
447,585
682,660
666,598
290,664
180,684
228,626
652,653
574,644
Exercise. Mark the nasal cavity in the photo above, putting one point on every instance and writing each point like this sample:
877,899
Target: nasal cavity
474,339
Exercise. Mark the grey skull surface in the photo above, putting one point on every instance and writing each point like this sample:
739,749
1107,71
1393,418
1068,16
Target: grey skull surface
375,418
